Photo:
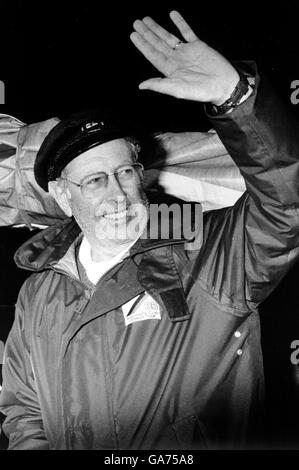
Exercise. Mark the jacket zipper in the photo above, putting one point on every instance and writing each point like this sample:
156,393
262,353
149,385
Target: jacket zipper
78,281
66,443
110,388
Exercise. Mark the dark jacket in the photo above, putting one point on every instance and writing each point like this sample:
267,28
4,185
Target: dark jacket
76,377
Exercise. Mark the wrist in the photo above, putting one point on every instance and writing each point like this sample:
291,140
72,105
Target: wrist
228,91
241,90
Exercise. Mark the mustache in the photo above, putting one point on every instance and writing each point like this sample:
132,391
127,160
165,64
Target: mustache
116,207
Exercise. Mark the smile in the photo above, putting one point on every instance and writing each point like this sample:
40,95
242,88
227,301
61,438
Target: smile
116,215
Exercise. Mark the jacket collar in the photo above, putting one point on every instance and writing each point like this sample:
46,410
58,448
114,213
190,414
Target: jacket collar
48,246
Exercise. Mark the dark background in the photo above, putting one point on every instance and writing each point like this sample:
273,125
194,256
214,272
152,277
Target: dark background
59,57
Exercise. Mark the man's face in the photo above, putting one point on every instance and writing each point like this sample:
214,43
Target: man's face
115,215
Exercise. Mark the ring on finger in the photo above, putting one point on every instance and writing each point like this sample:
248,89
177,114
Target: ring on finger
177,45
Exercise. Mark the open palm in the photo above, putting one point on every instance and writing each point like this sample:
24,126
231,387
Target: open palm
192,69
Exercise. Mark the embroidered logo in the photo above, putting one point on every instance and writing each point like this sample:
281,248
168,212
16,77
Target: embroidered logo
143,307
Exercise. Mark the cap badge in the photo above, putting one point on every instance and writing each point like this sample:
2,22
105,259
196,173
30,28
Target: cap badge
90,125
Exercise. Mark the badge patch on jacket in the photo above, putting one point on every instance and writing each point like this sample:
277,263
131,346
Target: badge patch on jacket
142,307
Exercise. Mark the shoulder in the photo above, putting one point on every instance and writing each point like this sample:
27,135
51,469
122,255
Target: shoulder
34,291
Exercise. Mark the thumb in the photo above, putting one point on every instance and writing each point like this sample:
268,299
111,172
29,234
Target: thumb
160,85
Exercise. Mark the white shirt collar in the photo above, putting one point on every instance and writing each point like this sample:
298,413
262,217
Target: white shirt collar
95,270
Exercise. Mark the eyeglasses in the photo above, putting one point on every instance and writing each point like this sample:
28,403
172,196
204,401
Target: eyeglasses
94,184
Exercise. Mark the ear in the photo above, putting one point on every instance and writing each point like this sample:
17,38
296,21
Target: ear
61,196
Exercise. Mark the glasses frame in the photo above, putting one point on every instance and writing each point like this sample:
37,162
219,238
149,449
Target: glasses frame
114,173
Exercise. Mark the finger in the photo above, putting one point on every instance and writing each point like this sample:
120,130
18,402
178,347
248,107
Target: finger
151,37
183,26
169,38
161,85
156,58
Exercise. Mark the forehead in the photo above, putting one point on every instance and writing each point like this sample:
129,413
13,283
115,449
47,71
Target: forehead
104,157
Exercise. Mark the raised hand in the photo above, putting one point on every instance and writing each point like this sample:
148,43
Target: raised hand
192,69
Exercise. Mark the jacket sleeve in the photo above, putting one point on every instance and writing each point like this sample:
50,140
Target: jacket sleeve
18,400
248,248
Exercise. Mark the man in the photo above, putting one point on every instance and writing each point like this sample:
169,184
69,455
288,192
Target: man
121,341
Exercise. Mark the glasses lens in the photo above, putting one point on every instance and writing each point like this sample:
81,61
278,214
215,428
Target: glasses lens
93,183
129,174
126,174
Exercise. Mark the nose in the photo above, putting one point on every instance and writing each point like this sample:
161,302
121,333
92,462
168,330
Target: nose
114,189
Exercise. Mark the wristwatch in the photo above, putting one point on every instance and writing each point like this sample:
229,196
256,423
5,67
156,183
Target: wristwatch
240,90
